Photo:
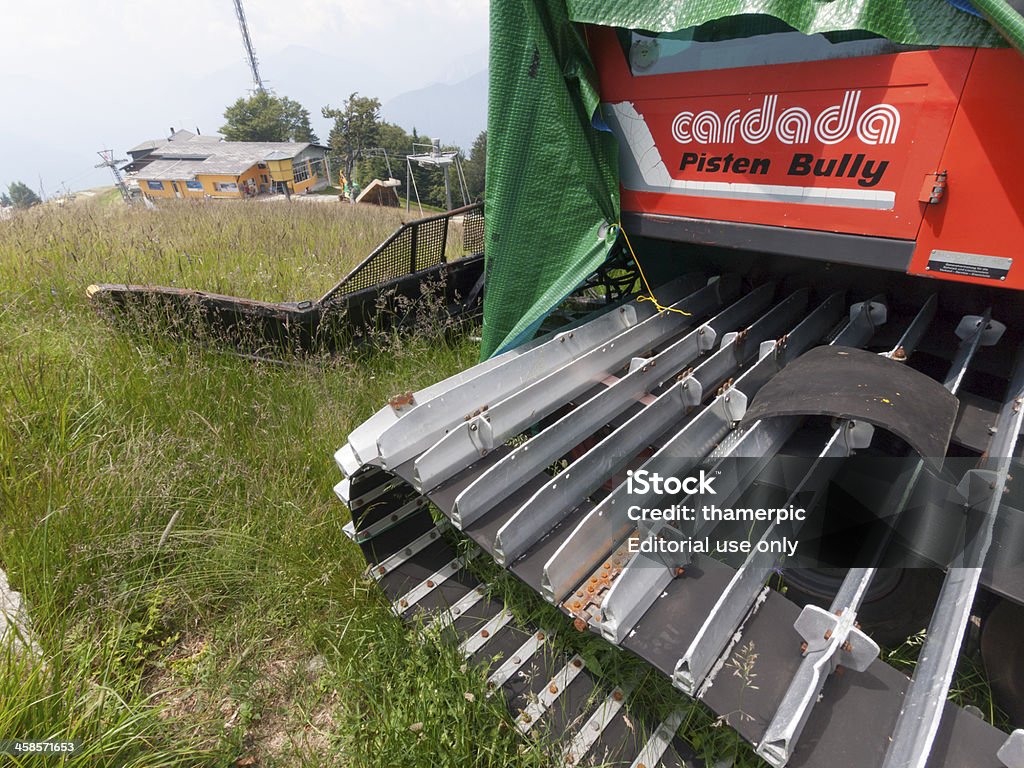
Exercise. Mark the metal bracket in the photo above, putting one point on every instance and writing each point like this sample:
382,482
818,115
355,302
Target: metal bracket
826,631
877,312
933,188
481,434
858,435
969,326
637,363
1011,754
706,337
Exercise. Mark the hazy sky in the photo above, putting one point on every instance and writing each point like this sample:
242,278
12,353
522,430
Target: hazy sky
78,77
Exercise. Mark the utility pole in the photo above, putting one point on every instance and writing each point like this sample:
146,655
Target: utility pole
257,81
107,155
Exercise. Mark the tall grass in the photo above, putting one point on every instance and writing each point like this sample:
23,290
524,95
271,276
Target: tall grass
226,641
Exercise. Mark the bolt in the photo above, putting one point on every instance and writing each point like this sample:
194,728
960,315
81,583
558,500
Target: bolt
569,759
577,663
403,603
516,660
382,570
483,451
540,635
526,718
617,695
680,571
607,566
552,689
394,518
580,593
579,625
848,647
484,633
430,584
472,427
803,647
828,634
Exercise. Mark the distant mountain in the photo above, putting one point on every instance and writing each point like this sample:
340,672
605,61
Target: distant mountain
455,113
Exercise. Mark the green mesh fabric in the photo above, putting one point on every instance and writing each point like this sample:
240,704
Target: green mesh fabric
916,22
552,178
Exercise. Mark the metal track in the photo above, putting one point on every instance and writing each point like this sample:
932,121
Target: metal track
550,692
526,454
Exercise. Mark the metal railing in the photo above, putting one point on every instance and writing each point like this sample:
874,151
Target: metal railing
417,246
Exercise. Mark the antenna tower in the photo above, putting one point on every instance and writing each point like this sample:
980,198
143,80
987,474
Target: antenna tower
107,155
257,81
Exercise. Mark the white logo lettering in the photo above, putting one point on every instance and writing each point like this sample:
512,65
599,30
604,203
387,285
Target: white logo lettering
878,124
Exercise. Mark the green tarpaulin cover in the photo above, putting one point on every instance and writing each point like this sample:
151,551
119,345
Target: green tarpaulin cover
552,179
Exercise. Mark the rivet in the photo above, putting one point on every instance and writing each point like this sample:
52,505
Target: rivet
382,570
803,647
617,695
484,633
540,635
403,603
828,634
577,663
430,584
552,688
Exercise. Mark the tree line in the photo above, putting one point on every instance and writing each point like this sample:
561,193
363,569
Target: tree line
359,139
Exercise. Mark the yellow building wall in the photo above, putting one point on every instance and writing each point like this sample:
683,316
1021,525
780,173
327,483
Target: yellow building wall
283,170
276,170
167,191
210,182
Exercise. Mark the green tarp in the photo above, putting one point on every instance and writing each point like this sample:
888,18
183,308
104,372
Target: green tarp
552,180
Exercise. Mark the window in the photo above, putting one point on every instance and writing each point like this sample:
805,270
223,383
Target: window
155,184
226,186
196,185
316,167
264,177
300,172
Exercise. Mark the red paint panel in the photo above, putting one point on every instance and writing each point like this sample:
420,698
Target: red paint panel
982,210
861,134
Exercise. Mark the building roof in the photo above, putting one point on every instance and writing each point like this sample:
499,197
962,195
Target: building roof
184,158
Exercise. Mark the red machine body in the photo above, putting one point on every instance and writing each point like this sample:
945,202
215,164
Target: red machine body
917,149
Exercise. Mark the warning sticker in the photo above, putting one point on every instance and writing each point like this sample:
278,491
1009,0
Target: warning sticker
969,264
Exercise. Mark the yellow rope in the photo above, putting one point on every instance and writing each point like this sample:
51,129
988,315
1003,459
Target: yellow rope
650,294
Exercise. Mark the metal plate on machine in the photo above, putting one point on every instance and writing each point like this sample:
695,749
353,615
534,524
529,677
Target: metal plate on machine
850,383
969,264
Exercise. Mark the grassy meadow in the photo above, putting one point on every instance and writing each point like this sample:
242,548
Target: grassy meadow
166,508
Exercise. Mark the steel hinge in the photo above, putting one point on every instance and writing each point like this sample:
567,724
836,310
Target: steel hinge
933,188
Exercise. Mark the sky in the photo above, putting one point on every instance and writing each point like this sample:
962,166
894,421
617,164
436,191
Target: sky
79,77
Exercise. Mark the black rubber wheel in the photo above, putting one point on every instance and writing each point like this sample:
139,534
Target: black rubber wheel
1002,649
900,608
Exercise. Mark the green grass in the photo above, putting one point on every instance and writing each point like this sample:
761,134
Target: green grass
250,631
